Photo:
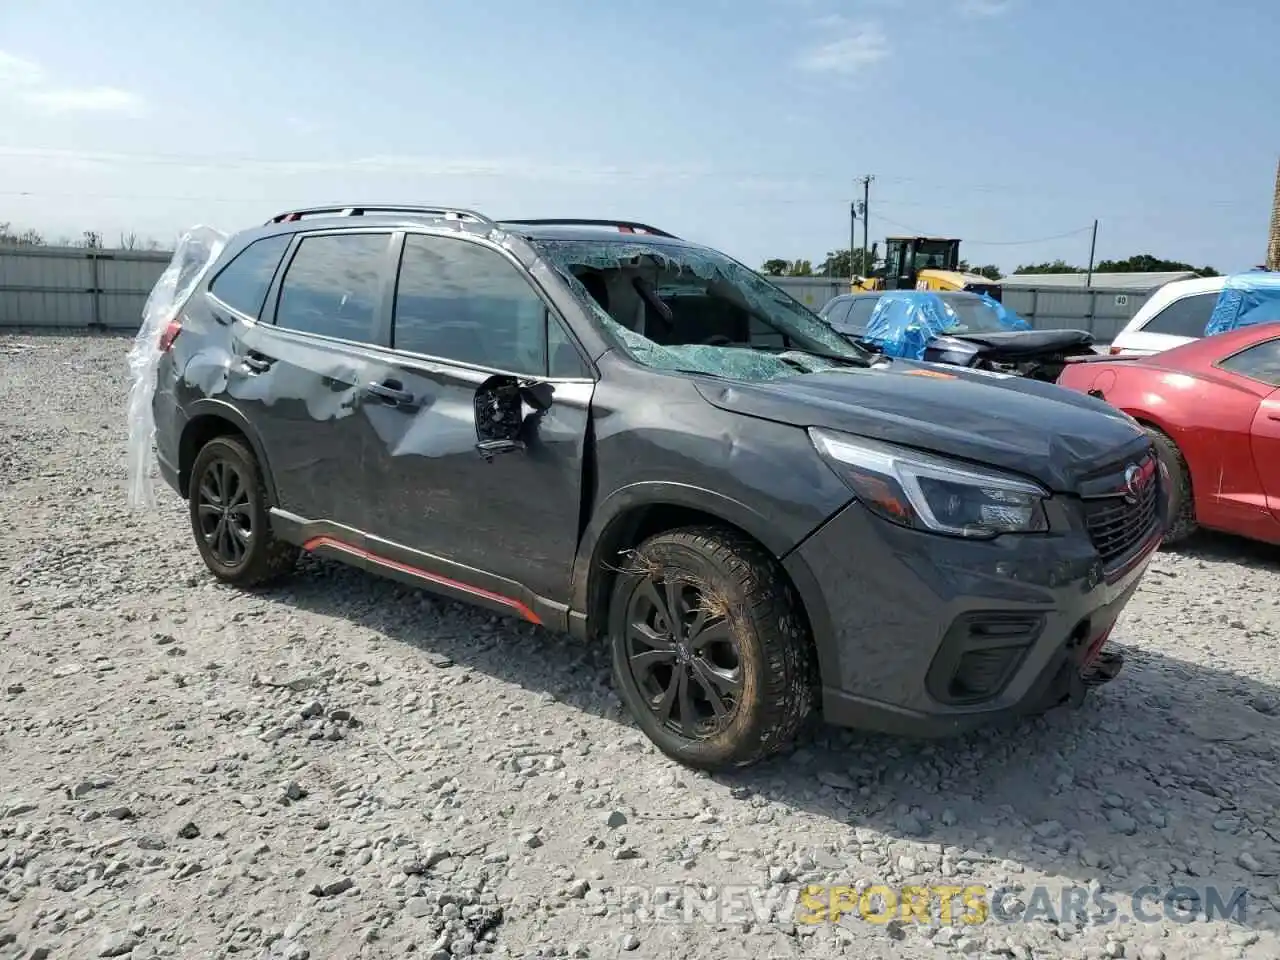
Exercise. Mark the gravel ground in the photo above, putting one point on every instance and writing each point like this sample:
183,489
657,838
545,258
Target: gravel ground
343,767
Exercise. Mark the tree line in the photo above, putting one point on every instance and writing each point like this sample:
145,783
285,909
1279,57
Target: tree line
11,236
843,263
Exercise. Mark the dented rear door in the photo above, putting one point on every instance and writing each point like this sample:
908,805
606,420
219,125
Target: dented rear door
303,372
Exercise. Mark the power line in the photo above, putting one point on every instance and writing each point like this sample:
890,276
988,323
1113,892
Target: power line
478,168
992,243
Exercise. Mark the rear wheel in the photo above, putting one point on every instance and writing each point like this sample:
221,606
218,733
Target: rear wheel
1182,507
229,518
710,652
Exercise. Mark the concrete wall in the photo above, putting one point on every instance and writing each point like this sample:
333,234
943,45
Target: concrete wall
1102,312
76,287
813,292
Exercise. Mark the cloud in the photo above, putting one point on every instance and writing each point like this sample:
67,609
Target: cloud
857,47
83,100
507,168
27,84
17,72
985,8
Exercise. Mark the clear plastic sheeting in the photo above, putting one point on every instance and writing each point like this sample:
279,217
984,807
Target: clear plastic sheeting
1247,299
904,321
195,253
671,267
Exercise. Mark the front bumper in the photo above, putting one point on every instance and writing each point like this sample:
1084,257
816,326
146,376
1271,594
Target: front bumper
922,635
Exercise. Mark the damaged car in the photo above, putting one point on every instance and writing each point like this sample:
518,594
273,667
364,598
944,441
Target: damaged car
964,329
600,428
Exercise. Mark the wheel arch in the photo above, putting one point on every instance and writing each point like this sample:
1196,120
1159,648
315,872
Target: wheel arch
211,418
638,512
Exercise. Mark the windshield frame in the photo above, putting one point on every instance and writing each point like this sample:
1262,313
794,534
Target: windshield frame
800,325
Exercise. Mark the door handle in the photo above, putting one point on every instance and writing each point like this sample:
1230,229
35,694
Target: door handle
258,363
390,393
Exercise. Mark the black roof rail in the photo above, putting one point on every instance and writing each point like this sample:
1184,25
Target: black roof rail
624,226
360,209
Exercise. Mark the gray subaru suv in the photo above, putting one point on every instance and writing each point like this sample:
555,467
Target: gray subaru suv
604,429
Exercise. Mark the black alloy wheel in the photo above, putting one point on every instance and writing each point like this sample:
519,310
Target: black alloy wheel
230,515
223,512
683,656
712,652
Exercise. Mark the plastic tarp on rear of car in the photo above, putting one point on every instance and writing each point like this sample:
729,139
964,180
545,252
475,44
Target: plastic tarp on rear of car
1246,299
904,321
195,253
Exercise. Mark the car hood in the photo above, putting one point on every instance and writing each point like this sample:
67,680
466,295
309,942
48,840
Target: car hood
1040,430
1020,344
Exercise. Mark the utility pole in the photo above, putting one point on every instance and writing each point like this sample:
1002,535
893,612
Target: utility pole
866,202
1273,242
1093,248
853,240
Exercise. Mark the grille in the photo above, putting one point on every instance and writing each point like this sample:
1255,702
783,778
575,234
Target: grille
1118,523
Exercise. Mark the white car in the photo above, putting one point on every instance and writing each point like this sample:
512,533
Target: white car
1175,314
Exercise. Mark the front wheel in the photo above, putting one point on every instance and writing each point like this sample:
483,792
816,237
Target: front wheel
229,518
711,653
1182,507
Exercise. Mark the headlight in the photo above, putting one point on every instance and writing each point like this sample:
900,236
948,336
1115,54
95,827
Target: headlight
932,493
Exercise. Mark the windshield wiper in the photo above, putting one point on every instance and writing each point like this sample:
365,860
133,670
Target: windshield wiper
837,357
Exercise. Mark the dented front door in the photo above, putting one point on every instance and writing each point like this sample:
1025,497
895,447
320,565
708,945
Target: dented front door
502,522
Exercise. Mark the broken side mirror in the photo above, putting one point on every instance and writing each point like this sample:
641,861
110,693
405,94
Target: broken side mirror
537,394
500,412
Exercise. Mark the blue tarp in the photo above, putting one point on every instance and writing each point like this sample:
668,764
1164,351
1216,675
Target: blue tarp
904,321
1246,299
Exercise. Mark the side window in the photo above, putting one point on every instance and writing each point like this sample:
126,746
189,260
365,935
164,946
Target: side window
331,286
1260,362
1184,318
458,300
837,312
860,314
563,358
243,283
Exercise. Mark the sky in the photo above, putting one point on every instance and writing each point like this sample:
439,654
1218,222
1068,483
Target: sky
743,124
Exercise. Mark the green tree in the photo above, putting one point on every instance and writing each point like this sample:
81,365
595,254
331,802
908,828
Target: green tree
775,267
1146,263
990,271
1057,266
837,264
800,268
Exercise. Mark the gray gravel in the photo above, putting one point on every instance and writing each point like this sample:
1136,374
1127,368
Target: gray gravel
343,767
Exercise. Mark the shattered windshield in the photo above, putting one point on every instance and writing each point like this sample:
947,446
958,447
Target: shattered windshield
694,310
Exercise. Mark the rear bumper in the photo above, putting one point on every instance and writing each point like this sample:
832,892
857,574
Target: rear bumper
929,636
170,422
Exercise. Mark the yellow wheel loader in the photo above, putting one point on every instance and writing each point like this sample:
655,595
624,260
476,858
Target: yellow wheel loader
926,263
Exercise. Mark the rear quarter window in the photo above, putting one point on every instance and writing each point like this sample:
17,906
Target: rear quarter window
1260,362
1184,318
243,283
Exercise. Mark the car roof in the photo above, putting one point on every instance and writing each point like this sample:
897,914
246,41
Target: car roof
579,231
1202,351
1195,284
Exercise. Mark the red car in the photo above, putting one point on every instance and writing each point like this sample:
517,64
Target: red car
1212,406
